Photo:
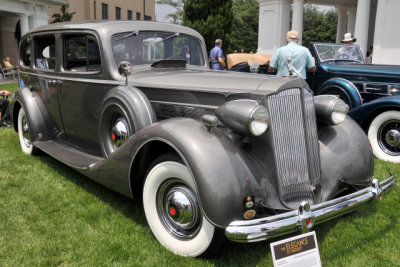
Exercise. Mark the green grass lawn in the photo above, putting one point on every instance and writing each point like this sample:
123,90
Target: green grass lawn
51,215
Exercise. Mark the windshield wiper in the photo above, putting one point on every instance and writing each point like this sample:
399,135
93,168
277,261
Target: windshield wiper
134,33
169,37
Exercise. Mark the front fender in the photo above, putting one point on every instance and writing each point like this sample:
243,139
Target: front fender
343,88
346,158
366,112
221,170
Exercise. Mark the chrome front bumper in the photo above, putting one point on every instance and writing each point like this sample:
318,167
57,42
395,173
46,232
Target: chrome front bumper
305,217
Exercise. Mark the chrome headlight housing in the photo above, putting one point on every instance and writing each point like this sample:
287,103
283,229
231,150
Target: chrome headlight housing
330,109
244,117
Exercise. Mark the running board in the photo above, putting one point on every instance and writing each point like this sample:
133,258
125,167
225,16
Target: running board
67,154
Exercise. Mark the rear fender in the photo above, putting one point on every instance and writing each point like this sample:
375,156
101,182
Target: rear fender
344,88
39,120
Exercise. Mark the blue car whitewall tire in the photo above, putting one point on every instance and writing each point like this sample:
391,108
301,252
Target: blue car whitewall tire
384,136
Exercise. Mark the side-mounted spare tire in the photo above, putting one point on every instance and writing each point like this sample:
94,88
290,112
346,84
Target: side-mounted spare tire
124,111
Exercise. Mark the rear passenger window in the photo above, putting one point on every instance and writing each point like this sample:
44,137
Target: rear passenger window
45,49
26,53
81,53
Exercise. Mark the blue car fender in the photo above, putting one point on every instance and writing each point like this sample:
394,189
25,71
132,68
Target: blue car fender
365,113
345,89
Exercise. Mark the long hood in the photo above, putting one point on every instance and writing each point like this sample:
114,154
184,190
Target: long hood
212,81
364,69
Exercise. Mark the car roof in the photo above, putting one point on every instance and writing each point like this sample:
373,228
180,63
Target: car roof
111,27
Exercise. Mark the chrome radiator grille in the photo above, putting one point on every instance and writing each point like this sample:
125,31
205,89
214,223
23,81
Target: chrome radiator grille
295,143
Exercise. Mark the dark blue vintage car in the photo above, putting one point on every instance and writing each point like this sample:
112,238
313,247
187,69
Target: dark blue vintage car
372,92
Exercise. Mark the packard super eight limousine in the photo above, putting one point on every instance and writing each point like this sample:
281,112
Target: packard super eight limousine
213,154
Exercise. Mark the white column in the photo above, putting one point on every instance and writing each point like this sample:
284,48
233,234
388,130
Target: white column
341,25
273,25
386,41
24,24
351,22
297,19
362,24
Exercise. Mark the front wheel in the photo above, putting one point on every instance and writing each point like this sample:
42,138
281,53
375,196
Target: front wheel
173,213
384,136
24,134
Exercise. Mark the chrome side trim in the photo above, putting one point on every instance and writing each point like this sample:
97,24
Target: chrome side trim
57,76
306,216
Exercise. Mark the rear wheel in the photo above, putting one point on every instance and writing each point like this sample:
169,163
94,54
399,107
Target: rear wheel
24,134
173,211
384,136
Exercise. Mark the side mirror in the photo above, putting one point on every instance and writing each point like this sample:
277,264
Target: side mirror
125,68
254,67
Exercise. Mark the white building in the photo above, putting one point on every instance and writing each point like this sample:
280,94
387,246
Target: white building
31,14
372,22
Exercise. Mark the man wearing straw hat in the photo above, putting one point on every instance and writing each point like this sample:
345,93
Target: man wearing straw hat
348,52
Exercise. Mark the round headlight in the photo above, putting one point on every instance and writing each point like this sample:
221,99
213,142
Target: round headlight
339,111
259,121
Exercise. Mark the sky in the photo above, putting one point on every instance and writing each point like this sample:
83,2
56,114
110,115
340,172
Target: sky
163,10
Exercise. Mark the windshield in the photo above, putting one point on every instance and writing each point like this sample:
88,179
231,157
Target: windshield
144,48
327,52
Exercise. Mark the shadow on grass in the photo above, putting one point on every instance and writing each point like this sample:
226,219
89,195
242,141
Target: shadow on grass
130,208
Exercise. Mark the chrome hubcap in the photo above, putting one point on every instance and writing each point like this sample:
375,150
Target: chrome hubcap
393,138
178,209
389,137
119,132
25,132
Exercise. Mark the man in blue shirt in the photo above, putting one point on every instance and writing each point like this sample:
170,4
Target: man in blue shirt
217,58
301,57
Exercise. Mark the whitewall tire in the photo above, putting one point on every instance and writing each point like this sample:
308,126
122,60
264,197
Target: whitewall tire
24,135
384,136
173,212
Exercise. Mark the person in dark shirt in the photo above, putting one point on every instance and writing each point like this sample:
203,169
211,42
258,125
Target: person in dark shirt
217,58
4,108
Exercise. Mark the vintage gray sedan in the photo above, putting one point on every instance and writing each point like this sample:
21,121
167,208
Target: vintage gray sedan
213,154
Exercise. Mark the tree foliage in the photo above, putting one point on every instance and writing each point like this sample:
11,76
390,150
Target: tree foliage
63,16
245,26
318,26
212,19
175,17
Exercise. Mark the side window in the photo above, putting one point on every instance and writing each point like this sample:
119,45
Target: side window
25,53
45,50
81,53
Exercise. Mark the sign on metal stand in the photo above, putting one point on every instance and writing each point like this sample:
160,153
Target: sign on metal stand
301,250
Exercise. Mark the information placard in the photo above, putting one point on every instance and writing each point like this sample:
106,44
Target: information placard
301,250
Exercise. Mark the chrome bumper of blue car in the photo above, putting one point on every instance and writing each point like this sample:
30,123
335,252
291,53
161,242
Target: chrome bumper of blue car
305,217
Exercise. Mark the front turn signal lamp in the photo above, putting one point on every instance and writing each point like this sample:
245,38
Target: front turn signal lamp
244,117
330,109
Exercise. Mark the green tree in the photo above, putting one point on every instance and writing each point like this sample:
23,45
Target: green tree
178,5
245,26
318,26
212,19
63,16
